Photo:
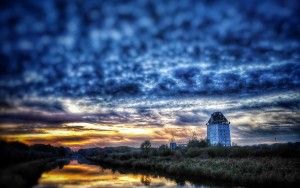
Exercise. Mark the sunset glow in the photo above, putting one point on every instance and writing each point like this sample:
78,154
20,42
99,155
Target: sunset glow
179,119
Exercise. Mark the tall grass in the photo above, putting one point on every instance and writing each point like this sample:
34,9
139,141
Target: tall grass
245,171
276,164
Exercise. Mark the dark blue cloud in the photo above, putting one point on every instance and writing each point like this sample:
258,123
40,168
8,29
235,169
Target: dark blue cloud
148,48
58,119
188,119
52,106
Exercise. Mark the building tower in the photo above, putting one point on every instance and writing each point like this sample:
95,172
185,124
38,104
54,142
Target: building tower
173,144
218,132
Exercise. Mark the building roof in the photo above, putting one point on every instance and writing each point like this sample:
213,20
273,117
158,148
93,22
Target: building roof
217,117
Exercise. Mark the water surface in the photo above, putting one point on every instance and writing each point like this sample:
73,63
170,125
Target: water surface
77,174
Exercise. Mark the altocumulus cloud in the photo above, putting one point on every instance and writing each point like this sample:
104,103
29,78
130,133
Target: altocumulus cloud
109,48
150,63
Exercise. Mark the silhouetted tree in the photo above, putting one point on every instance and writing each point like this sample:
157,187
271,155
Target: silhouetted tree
164,150
146,146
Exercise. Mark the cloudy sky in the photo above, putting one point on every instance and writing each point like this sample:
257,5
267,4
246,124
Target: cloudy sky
108,73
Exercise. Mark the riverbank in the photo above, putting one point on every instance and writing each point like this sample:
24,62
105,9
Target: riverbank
243,171
264,165
27,174
21,165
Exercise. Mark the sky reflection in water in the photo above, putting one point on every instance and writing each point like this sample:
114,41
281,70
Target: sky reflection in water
83,175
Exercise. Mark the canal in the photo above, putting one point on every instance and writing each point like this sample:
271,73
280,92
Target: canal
84,174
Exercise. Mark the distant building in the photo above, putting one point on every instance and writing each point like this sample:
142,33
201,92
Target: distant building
218,132
173,145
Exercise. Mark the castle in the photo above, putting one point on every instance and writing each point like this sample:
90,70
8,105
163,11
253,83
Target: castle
218,132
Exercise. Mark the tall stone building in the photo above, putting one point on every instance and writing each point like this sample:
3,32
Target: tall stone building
218,131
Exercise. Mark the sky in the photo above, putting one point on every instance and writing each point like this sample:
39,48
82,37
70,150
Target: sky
109,73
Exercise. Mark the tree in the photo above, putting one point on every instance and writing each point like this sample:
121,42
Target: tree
197,143
146,146
164,150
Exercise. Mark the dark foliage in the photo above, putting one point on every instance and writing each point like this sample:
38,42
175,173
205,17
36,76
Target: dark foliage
16,152
164,150
197,143
146,147
22,165
289,150
27,174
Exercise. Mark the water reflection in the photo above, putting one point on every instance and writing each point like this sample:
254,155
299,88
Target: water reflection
146,179
78,174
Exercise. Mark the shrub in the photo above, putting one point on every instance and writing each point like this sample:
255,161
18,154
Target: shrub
146,146
164,150
193,152
197,143
178,154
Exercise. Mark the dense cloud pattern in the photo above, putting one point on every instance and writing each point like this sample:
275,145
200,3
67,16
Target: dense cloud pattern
111,48
151,63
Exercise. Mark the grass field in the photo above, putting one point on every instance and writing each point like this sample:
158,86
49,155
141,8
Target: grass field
252,165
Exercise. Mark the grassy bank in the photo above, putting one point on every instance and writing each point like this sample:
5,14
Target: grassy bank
244,171
263,165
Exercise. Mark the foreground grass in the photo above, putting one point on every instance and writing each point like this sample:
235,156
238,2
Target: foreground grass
27,174
245,171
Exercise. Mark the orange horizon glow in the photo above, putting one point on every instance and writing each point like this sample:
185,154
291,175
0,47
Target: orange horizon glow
104,135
